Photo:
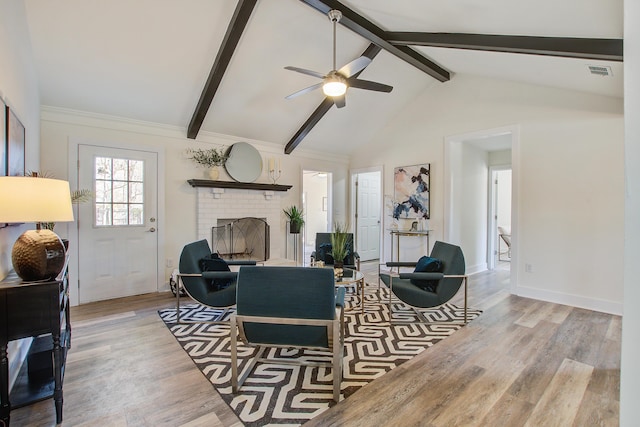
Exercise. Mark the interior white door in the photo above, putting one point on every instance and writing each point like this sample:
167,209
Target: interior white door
118,243
368,219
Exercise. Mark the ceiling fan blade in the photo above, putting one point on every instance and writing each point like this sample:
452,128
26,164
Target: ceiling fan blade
355,66
340,101
303,91
369,85
305,71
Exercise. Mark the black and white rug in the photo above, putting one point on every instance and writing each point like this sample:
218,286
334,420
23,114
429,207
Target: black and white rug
292,394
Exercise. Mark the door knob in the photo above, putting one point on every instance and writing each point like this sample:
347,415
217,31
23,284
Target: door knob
152,230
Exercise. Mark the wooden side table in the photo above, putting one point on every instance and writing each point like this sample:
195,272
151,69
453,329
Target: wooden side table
34,309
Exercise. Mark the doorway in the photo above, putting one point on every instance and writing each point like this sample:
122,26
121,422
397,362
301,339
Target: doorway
366,205
317,207
118,239
499,237
469,159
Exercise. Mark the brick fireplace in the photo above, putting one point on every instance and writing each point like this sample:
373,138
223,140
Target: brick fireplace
214,204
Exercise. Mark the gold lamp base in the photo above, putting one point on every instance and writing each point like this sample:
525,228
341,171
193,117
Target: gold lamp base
38,255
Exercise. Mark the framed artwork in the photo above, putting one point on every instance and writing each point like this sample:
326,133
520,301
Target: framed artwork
15,144
3,144
411,191
3,139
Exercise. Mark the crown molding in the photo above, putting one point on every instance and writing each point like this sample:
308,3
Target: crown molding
105,121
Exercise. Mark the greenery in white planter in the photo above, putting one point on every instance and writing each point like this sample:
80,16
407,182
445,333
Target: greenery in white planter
209,157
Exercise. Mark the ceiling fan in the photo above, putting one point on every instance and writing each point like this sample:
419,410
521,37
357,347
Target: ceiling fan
335,83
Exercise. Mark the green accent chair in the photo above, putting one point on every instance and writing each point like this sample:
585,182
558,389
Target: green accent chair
290,307
448,281
323,249
200,285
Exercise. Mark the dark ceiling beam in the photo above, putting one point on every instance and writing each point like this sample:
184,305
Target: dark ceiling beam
323,108
373,33
570,47
236,27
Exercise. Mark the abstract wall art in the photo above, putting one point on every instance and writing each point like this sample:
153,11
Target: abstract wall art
411,191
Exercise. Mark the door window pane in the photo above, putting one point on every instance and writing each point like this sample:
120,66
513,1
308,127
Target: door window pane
119,190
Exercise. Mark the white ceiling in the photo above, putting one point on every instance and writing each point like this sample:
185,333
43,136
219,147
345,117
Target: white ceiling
149,59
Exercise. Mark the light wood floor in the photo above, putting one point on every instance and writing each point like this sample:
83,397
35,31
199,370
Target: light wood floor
522,362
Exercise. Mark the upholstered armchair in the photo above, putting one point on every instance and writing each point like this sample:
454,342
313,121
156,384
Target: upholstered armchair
435,279
206,278
288,307
323,251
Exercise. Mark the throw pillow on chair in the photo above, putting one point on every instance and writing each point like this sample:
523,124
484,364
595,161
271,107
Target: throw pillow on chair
427,265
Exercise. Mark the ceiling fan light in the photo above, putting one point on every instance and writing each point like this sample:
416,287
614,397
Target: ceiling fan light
335,88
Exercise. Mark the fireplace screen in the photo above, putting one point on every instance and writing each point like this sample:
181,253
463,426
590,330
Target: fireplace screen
241,238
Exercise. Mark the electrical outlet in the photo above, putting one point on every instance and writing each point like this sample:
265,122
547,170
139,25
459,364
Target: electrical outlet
528,268
169,263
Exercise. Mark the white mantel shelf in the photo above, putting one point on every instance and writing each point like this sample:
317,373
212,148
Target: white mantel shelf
237,185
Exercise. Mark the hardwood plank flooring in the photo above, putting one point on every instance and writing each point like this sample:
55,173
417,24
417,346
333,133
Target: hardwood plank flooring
522,362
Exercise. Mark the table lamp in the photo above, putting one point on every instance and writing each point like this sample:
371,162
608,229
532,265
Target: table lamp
37,254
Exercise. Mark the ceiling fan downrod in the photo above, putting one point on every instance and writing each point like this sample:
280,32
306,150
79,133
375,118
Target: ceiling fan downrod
334,16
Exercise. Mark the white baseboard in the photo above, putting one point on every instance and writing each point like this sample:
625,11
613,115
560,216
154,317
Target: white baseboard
594,304
473,269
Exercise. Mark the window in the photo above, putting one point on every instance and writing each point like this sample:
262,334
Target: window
119,190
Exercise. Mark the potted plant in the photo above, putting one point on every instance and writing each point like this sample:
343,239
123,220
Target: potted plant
339,247
295,217
210,158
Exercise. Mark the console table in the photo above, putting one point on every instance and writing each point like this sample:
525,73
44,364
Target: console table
409,233
34,309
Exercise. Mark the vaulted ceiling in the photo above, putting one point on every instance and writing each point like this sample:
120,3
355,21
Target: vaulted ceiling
218,66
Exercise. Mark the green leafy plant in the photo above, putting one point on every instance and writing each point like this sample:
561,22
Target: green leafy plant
295,217
77,196
209,157
339,239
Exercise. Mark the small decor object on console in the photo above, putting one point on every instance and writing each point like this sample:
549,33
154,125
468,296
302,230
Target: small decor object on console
37,254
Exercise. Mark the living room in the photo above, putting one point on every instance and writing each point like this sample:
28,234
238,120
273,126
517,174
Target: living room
570,166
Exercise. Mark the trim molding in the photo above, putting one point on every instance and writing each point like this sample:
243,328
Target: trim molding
594,304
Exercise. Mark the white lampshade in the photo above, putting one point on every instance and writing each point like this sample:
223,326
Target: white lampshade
29,199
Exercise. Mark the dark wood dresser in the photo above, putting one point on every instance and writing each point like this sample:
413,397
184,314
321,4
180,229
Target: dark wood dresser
39,310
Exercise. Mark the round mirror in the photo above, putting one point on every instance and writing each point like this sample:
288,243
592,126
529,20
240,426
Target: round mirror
244,163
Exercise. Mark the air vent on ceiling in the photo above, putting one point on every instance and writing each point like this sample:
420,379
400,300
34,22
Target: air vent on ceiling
599,70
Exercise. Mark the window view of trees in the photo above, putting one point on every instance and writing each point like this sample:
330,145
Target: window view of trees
119,190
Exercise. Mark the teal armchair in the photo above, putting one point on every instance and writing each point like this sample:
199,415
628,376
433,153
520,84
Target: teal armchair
288,307
216,289
440,286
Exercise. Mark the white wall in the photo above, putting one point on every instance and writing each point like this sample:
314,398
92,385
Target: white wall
569,180
61,126
630,370
19,89
471,215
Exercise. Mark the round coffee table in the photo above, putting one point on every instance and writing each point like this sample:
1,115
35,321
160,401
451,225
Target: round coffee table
352,277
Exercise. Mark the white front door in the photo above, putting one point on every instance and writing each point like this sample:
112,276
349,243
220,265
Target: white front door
368,215
118,243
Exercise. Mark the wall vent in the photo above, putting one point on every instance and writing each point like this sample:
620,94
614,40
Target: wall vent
599,70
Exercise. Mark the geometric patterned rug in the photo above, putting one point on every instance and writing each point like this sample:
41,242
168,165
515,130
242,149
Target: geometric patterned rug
291,394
